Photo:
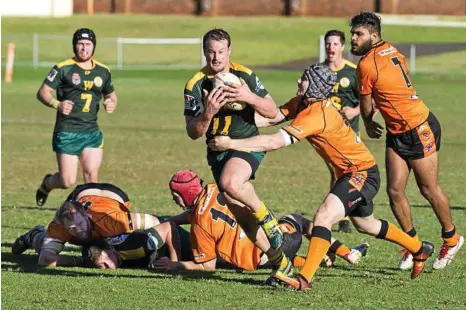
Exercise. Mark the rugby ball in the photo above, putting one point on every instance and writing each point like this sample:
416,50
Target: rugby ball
223,77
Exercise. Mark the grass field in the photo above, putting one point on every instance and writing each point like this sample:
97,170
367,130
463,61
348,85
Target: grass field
146,142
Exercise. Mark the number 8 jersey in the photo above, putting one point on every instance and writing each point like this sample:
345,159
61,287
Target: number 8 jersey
215,231
382,72
85,88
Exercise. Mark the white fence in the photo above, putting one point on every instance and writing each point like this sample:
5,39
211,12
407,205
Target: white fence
41,50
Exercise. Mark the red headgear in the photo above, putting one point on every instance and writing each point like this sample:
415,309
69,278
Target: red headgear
187,184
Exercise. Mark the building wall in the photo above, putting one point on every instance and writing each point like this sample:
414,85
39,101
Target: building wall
274,7
42,8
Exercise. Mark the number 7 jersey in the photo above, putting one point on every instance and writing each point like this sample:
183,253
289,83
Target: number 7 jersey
383,73
85,88
215,231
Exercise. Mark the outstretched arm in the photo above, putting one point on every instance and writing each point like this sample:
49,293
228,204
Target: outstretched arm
262,122
165,264
260,143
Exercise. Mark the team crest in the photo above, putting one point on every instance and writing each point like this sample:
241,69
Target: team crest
426,136
357,178
76,79
98,81
344,82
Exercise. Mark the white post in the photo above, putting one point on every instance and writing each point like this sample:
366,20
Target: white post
412,59
203,61
321,48
119,53
35,50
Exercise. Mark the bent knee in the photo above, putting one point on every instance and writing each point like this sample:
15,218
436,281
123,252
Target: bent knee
395,193
67,182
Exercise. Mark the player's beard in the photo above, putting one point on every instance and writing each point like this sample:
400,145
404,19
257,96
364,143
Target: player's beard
363,49
83,57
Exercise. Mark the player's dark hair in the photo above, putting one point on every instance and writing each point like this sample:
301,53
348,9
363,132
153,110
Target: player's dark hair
368,20
92,252
216,35
335,33
68,209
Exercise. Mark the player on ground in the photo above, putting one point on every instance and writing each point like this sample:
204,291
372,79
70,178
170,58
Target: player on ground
413,132
137,249
93,210
80,83
216,235
344,95
358,180
206,116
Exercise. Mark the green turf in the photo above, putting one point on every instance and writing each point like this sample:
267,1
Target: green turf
145,142
285,39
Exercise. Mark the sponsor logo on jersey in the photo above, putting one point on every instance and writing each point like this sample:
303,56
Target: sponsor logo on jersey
76,79
294,129
206,201
421,128
200,255
357,178
52,75
190,103
345,82
351,190
117,240
98,81
259,85
152,243
429,147
387,51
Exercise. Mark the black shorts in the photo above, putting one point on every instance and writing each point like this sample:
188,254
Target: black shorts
217,161
418,142
101,186
356,190
292,230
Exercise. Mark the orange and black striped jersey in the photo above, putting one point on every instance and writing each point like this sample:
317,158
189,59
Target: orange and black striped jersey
383,73
331,136
108,218
215,231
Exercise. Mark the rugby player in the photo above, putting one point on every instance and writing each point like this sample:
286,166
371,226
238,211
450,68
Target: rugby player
413,132
358,181
205,115
80,83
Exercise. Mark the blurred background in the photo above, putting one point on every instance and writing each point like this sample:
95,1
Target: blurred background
165,34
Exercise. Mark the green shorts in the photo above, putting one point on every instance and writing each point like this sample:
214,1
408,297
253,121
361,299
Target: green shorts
73,143
217,161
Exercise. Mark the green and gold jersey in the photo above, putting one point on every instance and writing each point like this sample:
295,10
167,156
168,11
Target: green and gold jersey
85,88
344,93
235,124
138,248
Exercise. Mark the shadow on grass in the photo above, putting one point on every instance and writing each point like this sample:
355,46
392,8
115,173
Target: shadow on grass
28,208
65,249
28,264
430,207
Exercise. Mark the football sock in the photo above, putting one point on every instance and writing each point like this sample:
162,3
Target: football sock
262,213
345,219
339,248
318,246
413,233
390,232
450,238
275,256
298,262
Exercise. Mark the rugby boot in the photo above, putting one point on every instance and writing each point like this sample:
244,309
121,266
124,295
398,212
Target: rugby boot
356,253
344,226
42,192
24,242
419,261
447,254
406,261
283,273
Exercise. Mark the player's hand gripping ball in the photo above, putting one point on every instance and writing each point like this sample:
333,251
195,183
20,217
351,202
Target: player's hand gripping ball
220,79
